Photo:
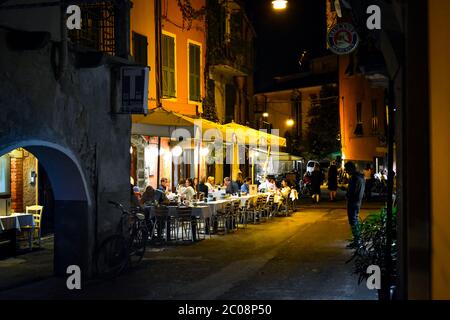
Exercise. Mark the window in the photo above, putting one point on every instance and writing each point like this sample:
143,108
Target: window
359,124
194,72
359,112
140,49
168,66
374,116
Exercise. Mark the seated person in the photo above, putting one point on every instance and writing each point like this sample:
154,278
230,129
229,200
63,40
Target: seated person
272,186
151,195
283,193
231,186
137,192
210,183
189,192
164,185
181,186
285,189
203,188
246,185
134,201
264,186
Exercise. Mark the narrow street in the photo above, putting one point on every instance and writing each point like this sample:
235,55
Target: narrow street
297,257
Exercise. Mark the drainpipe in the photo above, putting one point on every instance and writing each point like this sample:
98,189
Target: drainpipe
158,70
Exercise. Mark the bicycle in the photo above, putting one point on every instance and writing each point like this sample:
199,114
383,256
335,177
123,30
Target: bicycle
124,249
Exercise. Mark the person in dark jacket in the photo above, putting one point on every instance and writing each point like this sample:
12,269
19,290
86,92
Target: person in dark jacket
332,180
231,186
316,182
202,187
355,194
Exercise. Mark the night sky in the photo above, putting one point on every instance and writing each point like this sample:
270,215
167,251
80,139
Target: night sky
283,35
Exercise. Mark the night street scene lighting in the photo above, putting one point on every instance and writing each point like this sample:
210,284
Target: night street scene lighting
238,153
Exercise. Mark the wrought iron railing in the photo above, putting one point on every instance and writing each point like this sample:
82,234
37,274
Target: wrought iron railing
98,28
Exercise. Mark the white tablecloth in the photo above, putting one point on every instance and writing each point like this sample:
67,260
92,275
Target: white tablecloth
252,198
16,221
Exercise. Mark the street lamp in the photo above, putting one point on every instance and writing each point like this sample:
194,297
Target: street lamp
279,4
290,122
177,151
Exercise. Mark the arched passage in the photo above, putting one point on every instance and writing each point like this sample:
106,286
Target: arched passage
73,222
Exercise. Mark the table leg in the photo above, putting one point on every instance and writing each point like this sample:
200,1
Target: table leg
194,228
168,227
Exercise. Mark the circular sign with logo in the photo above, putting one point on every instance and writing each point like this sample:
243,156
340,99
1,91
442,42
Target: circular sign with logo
342,38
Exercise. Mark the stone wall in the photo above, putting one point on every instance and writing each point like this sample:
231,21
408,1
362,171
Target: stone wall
74,135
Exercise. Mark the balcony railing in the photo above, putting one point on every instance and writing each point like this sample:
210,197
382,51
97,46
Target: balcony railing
98,28
230,37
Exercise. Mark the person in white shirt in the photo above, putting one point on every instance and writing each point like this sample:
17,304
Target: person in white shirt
181,186
210,184
189,191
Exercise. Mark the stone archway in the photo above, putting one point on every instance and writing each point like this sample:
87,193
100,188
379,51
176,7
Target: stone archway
74,218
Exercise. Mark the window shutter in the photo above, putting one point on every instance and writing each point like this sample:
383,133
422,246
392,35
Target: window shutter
194,72
172,92
168,66
164,55
140,49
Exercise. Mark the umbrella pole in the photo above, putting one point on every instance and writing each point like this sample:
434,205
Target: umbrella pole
159,163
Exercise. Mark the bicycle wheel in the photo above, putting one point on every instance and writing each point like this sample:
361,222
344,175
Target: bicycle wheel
138,241
112,257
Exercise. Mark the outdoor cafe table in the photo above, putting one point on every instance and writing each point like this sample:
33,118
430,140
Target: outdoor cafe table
9,225
200,211
252,197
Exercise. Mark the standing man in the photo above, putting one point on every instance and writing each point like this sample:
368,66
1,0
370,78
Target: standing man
355,194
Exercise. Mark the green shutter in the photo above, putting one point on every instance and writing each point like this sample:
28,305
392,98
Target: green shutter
194,72
168,66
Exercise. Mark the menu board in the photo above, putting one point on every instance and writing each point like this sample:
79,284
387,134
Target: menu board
5,175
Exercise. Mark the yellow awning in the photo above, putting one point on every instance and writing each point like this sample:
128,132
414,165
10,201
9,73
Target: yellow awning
252,136
162,122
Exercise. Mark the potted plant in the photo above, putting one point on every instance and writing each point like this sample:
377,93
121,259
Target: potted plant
372,248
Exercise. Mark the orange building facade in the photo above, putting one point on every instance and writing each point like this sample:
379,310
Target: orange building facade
362,116
362,109
182,84
181,41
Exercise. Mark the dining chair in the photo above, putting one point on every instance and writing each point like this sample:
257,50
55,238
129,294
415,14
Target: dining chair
34,231
160,223
188,223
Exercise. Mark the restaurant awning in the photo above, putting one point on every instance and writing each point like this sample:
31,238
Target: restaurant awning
279,156
252,136
160,122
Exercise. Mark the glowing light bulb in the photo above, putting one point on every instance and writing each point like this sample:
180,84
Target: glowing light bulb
177,151
204,152
279,4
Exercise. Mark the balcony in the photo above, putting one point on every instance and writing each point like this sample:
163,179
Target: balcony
104,28
230,39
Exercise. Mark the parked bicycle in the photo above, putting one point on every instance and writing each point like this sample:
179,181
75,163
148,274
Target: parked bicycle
124,249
